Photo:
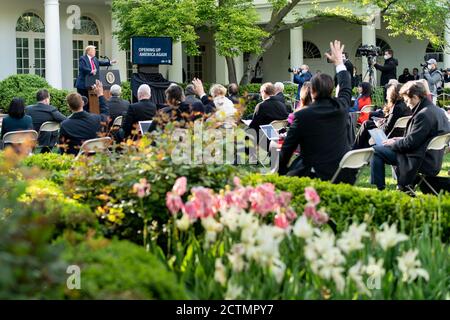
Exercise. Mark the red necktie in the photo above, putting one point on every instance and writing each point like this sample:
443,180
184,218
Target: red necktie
92,64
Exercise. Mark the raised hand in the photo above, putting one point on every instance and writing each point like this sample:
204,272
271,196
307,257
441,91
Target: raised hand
198,87
335,55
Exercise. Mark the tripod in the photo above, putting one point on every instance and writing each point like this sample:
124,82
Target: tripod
370,72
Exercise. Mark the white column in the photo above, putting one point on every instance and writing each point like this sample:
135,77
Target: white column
52,44
221,70
176,69
118,54
369,37
296,35
447,40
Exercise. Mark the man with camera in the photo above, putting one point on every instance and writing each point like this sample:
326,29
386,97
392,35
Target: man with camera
301,76
389,69
434,78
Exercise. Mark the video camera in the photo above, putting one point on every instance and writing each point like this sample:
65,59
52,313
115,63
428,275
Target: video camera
293,70
369,51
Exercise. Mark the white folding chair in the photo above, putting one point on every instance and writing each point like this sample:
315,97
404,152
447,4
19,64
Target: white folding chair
355,159
401,123
49,126
436,144
95,145
367,109
279,124
21,137
117,122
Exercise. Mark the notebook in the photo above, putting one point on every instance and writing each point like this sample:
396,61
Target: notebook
379,136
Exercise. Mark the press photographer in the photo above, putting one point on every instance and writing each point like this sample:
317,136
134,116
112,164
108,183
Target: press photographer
301,75
389,69
434,77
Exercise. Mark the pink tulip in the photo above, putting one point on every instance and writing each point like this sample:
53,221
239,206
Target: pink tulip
310,211
174,202
142,188
237,182
291,215
321,217
281,221
284,199
311,196
180,186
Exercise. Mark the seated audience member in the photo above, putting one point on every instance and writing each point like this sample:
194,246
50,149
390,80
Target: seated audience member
16,120
81,125
189,92
270,109
233,93
279,95
116,105
200,91
144,110
415,75
225,109
409,153
44,112
305,100
176,110
427,89
364,99
321,129
394,110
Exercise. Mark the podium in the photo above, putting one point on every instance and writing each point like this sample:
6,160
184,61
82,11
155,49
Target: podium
108,78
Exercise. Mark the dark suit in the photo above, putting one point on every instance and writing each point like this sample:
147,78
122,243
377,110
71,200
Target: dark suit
143,110
321,130
399,110
388,70
117,107
85,69
280,97
267,111
209,105
41,113
427,122
82,126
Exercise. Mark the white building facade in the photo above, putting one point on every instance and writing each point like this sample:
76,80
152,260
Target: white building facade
42,37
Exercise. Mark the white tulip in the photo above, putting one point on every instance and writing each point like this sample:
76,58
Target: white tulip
303,228
351,240
411,267
389,237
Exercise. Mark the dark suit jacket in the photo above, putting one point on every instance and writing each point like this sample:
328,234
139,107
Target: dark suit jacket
85,69
388,70
321,130
268,111
209,105
427,122
41,113
280,97
117,107
82,126
143,110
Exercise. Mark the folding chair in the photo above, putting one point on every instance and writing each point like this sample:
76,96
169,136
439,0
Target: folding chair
95,145
117,122
401,123
436,144
21,137
354,160
49,126
279,124
367,109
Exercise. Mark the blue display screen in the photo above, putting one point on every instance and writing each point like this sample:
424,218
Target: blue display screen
151,51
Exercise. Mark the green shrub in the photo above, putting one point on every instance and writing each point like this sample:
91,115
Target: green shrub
121,270
56,165
26,86
126,90
345,202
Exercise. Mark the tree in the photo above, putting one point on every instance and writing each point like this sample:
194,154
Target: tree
233,23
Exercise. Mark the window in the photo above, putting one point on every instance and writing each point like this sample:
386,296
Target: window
310,51
380,43
433,52
196,65
30,45
87,35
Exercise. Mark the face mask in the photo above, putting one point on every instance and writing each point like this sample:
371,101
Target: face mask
386,57
430,66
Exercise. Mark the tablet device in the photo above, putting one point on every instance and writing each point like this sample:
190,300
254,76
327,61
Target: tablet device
270,132
379,136
144,126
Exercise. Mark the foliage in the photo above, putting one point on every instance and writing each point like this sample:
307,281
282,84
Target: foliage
347,203
240,255
120,270
126,90
26,86
105,182
55,165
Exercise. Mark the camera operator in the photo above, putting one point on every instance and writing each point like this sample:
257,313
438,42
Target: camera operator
389,69
301,76
434,77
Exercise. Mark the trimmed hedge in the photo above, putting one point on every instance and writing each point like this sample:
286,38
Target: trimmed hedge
345,203
121,270
56,165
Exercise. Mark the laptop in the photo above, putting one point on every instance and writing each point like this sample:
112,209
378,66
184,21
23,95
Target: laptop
270,132
144,126
379,136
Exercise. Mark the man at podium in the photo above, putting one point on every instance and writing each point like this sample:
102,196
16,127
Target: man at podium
88,70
